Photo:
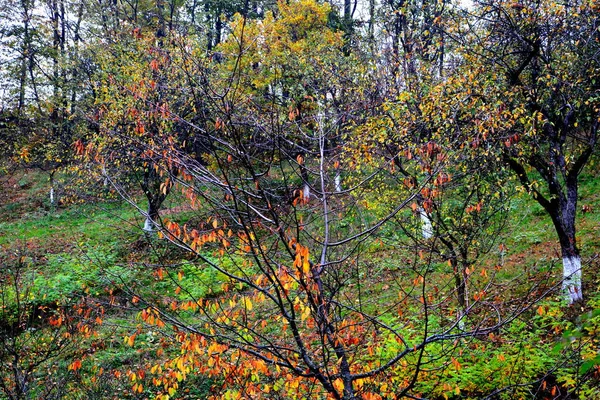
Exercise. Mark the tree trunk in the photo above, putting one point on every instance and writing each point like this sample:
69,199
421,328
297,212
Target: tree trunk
26,55
564,223
156,189
305,177
151,217
218,28
105,180
338,181
572,277
209,30
371,28
426,225
52,194
562,210
460,282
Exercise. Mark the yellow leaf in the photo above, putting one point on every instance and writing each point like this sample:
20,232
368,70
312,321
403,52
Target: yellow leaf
247,304
305,313
306,266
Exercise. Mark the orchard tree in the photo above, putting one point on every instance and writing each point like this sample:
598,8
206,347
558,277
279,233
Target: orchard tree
541,68
430,139
138,85
295,69
303,308
129,113
43,87
37,336
427,133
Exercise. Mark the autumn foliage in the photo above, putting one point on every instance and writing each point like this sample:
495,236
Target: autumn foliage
324,197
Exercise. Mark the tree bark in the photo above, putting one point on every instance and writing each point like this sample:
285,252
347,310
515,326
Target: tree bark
338,181
563,217
426,225
52,194
156,195
562,209
151,217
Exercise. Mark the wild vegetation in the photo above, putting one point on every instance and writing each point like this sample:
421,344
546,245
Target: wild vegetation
298,199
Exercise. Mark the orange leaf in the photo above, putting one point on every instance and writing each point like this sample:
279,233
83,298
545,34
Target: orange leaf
456,364
75,365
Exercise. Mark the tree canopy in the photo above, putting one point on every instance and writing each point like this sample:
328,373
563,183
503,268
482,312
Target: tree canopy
346,172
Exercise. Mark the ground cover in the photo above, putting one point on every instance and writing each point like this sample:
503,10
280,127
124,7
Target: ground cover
94,251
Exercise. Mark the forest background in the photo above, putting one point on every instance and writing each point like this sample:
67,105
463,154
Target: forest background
297,199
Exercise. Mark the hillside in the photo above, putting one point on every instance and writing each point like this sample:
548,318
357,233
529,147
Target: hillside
92,255
299,199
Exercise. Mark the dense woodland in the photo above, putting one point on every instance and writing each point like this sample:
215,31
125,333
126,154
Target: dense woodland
363,199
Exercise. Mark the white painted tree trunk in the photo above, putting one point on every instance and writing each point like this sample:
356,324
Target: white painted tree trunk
275,90
306,192
148,225
571,284
426,226
461,319
52,195
105,175
338,182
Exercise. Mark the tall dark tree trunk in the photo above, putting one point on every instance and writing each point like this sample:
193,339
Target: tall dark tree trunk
396,45
371,28
562,212
562,208
209,27
26,54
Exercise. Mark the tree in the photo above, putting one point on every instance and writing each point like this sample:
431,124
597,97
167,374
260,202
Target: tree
44,86
133,74
414,32
436,146
540,60
303,307
35,335
427,133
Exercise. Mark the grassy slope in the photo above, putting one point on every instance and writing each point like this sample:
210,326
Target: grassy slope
73,247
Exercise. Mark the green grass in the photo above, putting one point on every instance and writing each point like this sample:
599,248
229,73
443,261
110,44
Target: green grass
80,223
87,249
